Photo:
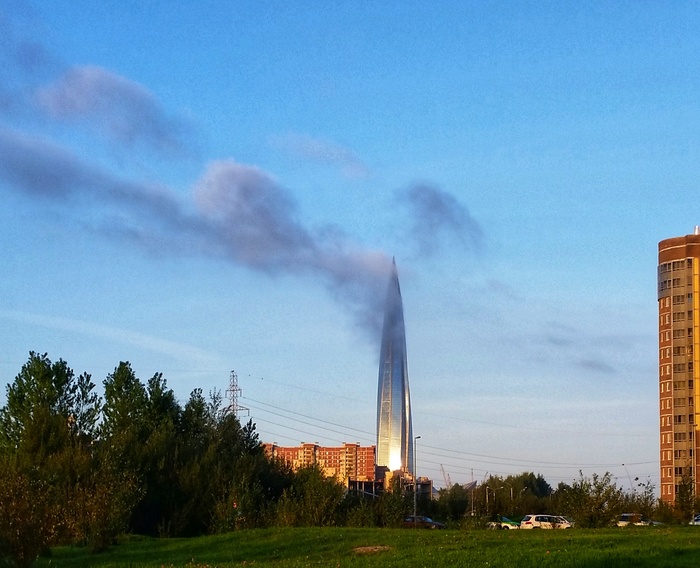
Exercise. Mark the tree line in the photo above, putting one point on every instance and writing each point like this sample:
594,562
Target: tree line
76,468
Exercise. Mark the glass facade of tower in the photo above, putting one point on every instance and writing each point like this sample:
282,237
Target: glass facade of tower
679,363
394,427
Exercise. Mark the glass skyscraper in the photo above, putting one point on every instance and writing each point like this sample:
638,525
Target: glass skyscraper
394,427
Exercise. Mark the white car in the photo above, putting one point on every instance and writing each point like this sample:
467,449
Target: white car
696,520
544,522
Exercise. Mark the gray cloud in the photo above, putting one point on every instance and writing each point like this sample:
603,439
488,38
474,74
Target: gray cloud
238,212
123,110
253,221
439,219
323,152
38,167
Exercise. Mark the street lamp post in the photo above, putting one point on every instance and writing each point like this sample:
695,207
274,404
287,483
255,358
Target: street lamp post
493,491
415,483
511,489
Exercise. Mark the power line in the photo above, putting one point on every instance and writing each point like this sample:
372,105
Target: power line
305,416
446,452
519,427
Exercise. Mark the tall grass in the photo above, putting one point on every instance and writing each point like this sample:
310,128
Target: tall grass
640,547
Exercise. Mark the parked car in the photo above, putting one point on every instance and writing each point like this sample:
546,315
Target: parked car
421,522
503,523
544,522
696,520
637,520
632,519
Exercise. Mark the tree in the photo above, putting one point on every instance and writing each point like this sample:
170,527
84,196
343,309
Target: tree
593,501
47,431
313,500
46,408
454,502
685,504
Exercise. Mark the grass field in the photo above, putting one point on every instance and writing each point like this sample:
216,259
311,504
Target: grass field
638,547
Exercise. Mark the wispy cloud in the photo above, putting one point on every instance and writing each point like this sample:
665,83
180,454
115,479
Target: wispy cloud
176,350
323,152
438,220
596,365
121,109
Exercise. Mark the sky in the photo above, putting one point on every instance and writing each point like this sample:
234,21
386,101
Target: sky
204,187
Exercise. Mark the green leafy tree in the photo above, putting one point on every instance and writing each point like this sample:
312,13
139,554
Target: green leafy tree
312,500
394,504
454,503
686,503
594,501
47,431
47,408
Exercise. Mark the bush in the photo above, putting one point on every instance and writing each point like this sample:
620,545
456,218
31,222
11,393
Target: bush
29,521
593,502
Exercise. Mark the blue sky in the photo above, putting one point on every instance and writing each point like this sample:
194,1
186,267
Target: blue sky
201,187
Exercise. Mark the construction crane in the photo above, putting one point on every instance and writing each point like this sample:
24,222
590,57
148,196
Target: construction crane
446,477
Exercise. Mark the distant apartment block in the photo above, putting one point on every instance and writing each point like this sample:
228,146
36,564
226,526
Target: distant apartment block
349,462
679,362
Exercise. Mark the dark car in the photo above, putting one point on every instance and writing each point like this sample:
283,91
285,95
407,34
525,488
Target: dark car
421,522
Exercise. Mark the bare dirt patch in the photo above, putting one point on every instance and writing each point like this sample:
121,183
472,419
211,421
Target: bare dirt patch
370,549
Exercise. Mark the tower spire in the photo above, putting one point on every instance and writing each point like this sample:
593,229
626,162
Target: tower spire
394,425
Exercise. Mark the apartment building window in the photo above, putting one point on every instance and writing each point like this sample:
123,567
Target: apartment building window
677,333
679,419
680,401
679,350
678,454
679,367
679,299
691,419
679,436
678,470
678,316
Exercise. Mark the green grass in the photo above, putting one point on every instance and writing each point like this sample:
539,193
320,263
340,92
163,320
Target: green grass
639,547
